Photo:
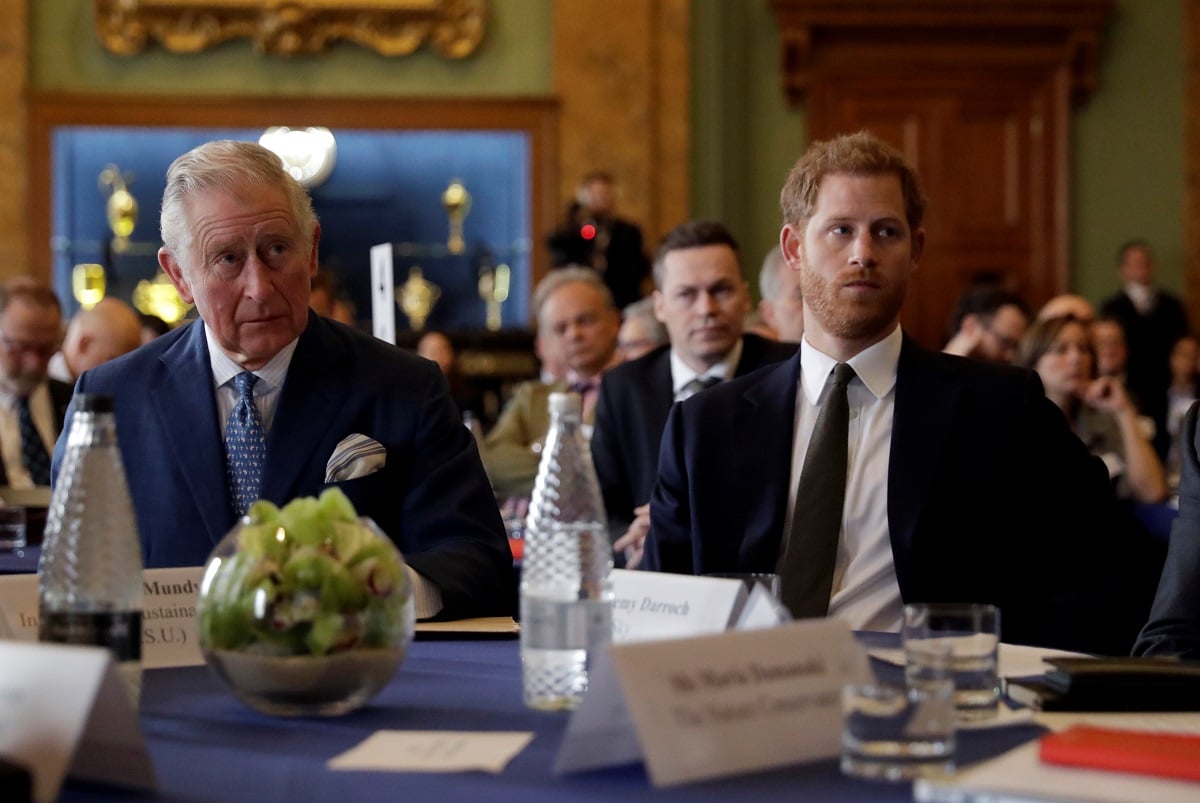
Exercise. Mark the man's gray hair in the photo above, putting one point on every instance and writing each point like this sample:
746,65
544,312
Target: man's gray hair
569,275
770,276
226,165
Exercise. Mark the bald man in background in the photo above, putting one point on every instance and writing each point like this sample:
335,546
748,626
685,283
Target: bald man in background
95,336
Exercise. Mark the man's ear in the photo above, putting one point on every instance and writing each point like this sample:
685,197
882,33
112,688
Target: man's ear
174,271
659,303
918,247
791,243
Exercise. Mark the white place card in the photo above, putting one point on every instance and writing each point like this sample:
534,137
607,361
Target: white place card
65,710
383,293
659,605
433,751
601,732
722,705
169,636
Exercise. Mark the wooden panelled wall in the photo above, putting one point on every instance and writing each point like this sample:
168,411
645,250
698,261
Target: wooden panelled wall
14,181
624,90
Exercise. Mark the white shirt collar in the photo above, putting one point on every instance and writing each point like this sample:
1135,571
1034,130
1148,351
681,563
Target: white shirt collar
875,366
1143,296
270,376
682,373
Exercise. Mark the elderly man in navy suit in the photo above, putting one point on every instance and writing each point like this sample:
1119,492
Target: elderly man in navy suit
321,403
934,478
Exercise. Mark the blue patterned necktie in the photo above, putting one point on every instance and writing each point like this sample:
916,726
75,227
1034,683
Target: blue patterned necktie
245,446
33,452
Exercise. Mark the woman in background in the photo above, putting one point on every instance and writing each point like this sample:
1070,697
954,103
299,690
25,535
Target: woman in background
1099,410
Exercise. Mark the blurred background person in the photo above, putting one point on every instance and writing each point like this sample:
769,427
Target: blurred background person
1098,409
32,405
782,302
1182,393
593,235
988,323
152,327
94,336
640,331
1068,304
575,317
754,323
436,346
1153,320
327,298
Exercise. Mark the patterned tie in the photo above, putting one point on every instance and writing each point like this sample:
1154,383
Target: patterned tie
245,446
588,390
806,567
33,450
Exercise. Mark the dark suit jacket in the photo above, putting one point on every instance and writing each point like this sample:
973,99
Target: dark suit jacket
60,399
431,497
1174,626
631,412
991,498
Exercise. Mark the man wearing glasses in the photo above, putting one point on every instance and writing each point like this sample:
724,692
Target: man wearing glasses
32,406
988,324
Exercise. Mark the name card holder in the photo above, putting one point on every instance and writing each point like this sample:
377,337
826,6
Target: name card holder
717,705
65,710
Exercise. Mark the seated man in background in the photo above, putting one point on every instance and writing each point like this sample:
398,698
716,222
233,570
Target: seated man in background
263,398
701,297
640,333
32,405
575,314
95,336
782,303
870,473
988,324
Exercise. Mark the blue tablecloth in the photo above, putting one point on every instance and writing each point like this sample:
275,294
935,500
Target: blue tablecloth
205,745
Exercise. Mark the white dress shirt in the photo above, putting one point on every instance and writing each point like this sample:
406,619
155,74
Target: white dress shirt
427,597
682,373
42,410
865,591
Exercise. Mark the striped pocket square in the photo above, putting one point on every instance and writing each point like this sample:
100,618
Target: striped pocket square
356,456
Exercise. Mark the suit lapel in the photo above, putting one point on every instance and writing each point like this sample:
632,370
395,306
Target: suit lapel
186,408
762,438
317,387
926,399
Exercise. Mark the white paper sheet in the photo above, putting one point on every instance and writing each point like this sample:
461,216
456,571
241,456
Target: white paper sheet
433,751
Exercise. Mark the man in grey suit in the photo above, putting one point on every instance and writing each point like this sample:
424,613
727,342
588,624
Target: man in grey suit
701,297
957,480
333,406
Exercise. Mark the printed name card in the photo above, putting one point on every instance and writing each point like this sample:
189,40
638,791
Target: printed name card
65,710
658,605
168,614
719,705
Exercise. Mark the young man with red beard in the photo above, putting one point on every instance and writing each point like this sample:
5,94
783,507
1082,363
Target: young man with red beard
962,483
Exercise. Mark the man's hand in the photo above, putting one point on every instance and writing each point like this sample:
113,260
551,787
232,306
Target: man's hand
632,543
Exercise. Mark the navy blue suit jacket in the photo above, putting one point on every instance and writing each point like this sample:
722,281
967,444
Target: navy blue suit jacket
631,412
1174,626
432,496
991,498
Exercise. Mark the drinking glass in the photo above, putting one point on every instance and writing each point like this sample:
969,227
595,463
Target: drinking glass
972,631
893,732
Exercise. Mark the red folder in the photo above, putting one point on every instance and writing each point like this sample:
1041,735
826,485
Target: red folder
1169,755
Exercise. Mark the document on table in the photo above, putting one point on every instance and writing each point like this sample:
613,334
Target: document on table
433,751
1019,776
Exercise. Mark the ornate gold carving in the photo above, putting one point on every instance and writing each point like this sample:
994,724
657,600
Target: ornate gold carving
453,28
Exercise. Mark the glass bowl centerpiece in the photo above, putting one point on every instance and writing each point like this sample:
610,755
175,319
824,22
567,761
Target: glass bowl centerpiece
306,609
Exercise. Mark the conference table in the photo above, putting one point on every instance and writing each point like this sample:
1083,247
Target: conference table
205,745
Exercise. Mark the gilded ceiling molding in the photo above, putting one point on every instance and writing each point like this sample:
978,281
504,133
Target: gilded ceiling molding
453,28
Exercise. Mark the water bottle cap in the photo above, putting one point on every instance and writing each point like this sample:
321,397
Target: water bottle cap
93,403
566,403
